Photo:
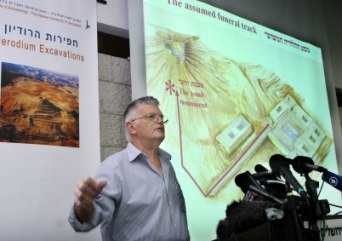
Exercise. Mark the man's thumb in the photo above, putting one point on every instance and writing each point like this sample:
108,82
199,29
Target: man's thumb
100,185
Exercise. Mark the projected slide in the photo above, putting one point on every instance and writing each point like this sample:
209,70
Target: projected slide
235,93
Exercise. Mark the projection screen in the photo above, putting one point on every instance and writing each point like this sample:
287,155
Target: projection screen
235,93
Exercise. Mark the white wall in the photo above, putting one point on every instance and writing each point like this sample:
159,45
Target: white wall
112,18
333,18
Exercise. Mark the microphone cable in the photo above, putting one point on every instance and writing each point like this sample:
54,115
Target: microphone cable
320,190
334,205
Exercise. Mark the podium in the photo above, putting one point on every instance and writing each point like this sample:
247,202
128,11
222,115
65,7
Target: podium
281,230
330,227
278,230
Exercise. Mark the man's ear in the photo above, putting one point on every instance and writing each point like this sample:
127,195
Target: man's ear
130,127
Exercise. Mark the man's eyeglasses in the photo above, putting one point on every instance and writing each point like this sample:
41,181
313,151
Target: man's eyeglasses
153,117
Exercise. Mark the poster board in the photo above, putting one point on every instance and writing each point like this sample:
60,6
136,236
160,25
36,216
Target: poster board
49,127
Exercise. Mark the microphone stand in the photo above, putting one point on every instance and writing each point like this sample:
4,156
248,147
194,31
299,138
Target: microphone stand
311,188
291,205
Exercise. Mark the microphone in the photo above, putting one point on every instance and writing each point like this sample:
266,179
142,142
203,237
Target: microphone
247,182
304,165
333,179
263,173
260,168
270,182
280,167
266,194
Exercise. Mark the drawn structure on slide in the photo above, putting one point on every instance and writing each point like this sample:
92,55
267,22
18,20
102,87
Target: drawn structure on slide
226,115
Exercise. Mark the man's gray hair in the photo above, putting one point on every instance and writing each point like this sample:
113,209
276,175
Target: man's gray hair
148,100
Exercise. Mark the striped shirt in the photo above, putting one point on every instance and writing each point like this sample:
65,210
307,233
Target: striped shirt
137,204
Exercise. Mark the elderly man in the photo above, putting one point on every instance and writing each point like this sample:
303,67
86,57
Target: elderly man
135,194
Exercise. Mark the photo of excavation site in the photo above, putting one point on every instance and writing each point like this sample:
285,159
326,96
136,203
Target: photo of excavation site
38,106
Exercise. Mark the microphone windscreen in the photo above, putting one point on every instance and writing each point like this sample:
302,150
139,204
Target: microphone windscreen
277,161
300,163
260,168
333,179
242,216
242,181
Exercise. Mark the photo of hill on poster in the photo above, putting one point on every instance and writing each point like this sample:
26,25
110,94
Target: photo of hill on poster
38,106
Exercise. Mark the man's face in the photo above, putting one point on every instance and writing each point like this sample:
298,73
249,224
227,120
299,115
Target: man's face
148,123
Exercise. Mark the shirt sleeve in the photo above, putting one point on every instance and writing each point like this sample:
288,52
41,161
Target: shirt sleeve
104,204
79,226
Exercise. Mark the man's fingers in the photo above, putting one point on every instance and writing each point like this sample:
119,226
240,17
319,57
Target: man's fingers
85,193
89,182
83,197
88,188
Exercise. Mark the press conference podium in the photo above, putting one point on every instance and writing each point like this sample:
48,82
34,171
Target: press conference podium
279,230
282,230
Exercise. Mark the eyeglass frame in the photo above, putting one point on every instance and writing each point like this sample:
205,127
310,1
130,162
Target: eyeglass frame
152,117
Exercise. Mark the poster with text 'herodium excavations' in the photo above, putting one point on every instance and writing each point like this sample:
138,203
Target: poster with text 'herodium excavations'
49,111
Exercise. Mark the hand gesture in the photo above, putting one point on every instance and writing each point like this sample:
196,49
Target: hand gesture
85,193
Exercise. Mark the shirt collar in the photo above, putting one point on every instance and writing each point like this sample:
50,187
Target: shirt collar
134,152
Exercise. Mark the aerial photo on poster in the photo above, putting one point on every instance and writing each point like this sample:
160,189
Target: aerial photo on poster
38,106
